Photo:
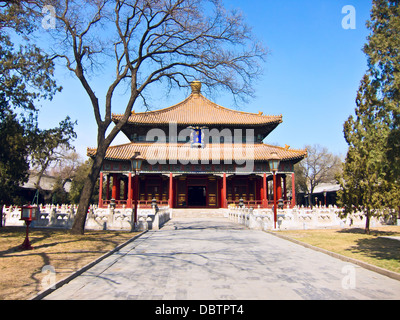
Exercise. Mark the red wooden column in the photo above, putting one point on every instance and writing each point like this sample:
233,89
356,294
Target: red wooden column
260,191
224,202
279,186
114,187
108,187
264,196
293,191
129,202
101,191
171,191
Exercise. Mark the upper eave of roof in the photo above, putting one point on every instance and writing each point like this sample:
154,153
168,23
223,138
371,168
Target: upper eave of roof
198,110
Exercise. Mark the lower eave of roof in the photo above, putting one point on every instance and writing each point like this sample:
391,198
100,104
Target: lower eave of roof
184,152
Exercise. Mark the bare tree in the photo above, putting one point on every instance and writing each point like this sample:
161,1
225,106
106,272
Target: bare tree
150,42
66,166
320,166
49,146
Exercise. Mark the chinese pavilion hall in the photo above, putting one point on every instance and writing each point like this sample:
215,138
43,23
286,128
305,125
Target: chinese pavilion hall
197,154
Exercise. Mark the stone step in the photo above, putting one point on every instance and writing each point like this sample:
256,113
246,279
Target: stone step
198,213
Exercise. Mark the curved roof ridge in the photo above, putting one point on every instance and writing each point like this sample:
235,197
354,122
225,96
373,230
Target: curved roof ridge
163,109
237,111
286,149
193,109
150,112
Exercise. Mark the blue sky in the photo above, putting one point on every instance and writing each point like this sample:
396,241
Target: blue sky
311,76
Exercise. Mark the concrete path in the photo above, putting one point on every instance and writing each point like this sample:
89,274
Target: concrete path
218,260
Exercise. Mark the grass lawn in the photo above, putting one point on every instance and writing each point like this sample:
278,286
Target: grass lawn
354,243
21,271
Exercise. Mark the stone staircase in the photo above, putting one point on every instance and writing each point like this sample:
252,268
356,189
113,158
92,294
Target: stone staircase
198,213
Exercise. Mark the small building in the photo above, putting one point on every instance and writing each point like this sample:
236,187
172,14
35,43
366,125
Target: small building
197,154
324,194
27,190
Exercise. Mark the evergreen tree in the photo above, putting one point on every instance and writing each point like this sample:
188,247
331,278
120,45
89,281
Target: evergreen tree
364,185
78,182
13,153
383,52
371,174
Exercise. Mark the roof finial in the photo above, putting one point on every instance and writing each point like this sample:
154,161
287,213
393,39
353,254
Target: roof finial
196,87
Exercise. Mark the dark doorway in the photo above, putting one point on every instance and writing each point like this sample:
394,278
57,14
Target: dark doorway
197,196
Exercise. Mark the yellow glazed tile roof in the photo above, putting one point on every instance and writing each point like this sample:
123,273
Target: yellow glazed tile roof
184,152
198,110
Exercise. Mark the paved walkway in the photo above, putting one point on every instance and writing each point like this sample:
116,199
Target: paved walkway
217,260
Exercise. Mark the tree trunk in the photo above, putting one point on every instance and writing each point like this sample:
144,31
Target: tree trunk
1,214
80,218
367,230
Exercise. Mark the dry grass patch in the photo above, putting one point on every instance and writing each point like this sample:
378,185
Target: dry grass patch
354,243
21,271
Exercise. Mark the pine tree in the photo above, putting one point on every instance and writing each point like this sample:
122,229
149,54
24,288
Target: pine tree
364,182
383,52
371,173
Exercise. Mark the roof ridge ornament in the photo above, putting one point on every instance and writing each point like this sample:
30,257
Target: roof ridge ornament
196,87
